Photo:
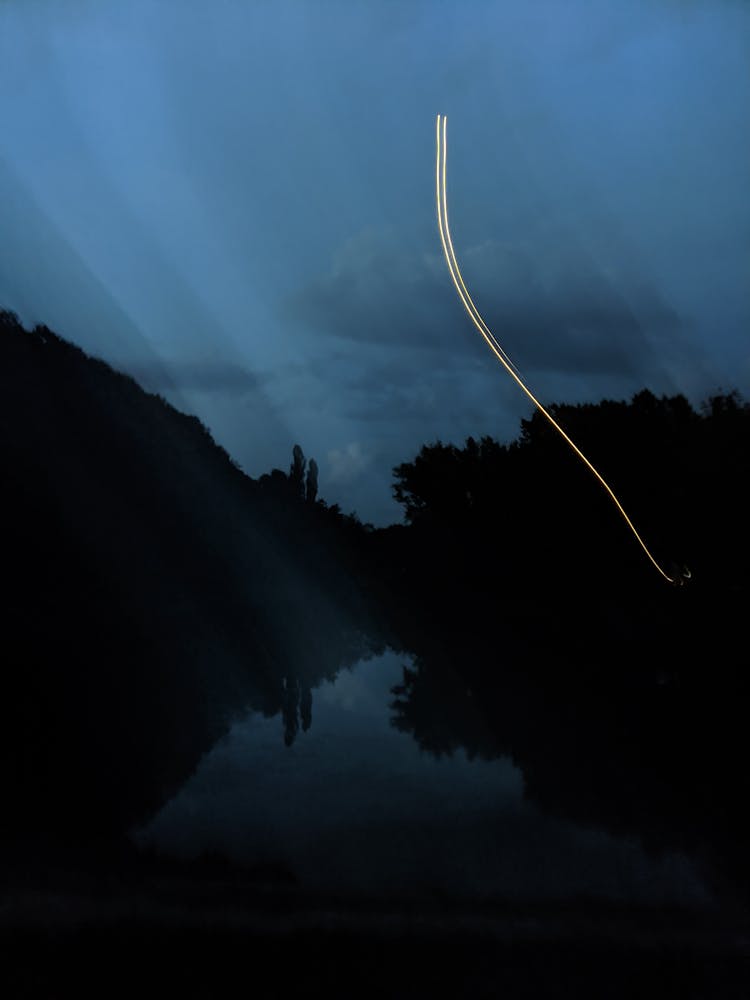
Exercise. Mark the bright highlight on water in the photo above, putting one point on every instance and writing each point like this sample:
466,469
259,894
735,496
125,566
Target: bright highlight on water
502,357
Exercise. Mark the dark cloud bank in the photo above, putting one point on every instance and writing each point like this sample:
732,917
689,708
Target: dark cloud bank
552,313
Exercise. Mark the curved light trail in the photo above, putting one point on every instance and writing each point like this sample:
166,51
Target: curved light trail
488,336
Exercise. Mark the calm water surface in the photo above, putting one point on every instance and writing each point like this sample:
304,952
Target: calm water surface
355,805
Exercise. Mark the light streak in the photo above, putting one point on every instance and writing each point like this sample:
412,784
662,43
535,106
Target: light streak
488,336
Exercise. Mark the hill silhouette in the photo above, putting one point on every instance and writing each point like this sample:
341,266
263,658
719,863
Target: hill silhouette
153,589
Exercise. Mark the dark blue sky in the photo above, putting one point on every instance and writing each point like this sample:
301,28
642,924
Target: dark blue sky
234,202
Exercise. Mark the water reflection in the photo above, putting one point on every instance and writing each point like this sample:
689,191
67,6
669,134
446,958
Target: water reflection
358,805
296,707
621,756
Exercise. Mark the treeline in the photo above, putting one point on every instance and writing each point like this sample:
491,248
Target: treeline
530,511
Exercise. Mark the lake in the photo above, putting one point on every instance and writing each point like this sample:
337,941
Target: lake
332,793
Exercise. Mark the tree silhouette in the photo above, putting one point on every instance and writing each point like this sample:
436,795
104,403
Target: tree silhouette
311,484
297,472
532,505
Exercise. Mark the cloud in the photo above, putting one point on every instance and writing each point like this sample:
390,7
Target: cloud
198,376
347,463
550,307
376,293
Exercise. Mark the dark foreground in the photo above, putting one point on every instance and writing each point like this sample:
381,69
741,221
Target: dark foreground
128,924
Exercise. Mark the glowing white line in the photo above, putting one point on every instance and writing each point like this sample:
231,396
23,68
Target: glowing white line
455,269
471,309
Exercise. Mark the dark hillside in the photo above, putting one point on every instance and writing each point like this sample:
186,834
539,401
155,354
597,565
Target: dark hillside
152,589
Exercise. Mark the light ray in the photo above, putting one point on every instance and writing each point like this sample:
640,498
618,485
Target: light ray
488,336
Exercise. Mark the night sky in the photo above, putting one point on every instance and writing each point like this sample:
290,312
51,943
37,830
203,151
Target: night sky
234,202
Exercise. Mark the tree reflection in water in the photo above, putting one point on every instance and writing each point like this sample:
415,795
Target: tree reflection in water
653,753
296,707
